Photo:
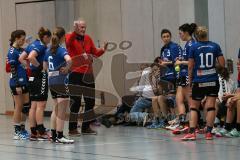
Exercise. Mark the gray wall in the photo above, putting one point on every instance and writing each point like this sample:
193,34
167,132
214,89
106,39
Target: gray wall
224,23
139,21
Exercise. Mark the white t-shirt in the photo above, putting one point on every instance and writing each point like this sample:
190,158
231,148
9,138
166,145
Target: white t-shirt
145,87
229,85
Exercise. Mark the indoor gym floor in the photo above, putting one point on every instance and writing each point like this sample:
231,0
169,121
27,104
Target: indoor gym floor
133,143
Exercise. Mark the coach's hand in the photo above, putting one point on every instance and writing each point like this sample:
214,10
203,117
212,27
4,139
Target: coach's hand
105,45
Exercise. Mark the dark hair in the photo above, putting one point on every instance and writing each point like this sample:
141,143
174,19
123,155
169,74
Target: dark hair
154,64
16,34
156,60
190,28
57,35
44,32
166,31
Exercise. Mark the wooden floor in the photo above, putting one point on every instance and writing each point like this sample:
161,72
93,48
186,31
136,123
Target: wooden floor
133,143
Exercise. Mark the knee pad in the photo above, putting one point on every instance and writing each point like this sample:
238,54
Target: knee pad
26,108
211,109
194,109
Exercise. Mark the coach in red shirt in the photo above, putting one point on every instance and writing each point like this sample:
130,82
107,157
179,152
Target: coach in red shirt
82,50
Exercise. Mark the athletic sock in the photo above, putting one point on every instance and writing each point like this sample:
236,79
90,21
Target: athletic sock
54,133
59,135
23,127
192,130
33,130
209,129
17,128
228,126
182,119
238,127
41,129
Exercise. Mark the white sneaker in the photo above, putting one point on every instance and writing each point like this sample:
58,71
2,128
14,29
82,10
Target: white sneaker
173,122
19,136
215,130
64,140
172,127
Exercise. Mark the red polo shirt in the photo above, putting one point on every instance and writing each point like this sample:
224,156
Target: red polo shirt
82,52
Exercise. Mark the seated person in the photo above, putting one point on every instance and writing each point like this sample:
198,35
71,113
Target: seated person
162,104
147,89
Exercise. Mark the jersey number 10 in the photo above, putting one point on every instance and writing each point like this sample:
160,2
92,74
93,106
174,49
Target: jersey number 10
206,60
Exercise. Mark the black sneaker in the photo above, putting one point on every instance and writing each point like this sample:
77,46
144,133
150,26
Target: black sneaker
106,122
89,131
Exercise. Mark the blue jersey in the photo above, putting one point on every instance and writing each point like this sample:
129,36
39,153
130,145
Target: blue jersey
168,53
21,78
184,57
205,55
40,48
55,62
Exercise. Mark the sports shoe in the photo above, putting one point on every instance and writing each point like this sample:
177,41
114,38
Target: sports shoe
25,133
74,133
215,130
33,137
180,129
64,140
172,127
162,124
175,121
106,122
89,131
154,125
208,136
233,133
223,132
19,136
43,137
189,137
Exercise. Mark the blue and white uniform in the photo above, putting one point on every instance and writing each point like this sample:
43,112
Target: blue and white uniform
21,74
168,53
205,77
38,83
56,79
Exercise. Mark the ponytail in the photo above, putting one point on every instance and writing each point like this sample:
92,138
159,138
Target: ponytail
190,28
56,39
55,44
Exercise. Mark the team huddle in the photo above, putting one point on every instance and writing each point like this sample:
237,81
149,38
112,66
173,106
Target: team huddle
194,72
37,68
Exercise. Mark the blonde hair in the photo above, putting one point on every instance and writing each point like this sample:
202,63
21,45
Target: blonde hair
201,32
57,35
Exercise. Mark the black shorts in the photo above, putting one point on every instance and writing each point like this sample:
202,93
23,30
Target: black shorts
56,95
38,86
182,81
14,91
200,90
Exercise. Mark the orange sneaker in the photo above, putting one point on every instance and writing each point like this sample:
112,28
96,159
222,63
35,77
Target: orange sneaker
181,129
208,136
189,137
